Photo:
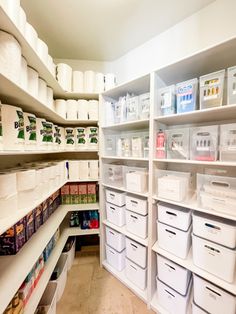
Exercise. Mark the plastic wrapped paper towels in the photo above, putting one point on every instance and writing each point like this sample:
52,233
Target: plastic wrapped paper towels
64,76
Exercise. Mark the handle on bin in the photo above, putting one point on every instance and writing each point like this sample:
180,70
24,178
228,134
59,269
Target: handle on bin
133,245
212,226
135,202
170,293
113,195
170,213
211,248
221,184
172,232
112,208
133,216
133,267
111,232
217,293
111,252
169,266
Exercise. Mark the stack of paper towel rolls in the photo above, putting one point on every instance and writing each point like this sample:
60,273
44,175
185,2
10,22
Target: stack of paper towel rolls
83,170
81,138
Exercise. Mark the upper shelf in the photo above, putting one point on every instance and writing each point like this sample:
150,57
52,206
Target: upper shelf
128,125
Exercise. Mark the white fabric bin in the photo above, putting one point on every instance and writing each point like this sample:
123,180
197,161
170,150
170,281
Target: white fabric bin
115,239
48,300
115,214
171,300
136,204
70,255
215,229
136,224
174,216
115,259
211,298
197,310
213,258
61,280
173,240
114,197
136,179
136,252
172,274
136,274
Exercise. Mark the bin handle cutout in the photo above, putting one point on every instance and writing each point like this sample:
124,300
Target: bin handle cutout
170,293
211,248
212,226
170,213
133,216
172,232
133,245
169,266
220,184
217,293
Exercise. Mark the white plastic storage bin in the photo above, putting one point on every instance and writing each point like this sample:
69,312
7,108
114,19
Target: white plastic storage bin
171,300
177,143
115,259
70,255
144,106
48,301
114,197
115,239
215,229
136,252
137,144
113,174
110,145
173,185
186,96
217,193
136,274
173,240
228,142
123,145
136,179
197,310
132,106
136,204
115,214
231,86
61,280
166,100
211,298
211,89
204,143
175,216
213,258
136,224
174,275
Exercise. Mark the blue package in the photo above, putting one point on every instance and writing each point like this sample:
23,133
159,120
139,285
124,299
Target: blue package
186,95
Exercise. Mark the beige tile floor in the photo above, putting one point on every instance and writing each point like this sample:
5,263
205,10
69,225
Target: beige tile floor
92,290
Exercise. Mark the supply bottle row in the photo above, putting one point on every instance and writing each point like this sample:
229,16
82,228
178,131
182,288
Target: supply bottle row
23,131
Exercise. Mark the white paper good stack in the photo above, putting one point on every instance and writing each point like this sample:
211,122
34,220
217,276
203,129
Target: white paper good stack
61,107
99,83
8,194
78,82
61,138
42,91
23,74
93,110
41,134
42,50
64,76
93,169
92,137
12,9
110,81
31,35
89,79
30,131
1,139
33,84
83,169
72,109
81,138
50,100
83,109
26,183
69,139
74,170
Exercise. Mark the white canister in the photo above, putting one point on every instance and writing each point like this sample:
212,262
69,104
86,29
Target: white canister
92,137
81,138
89,79
42,50
31,35
41,127
82,109
72,109
93,110
30,131
22,20
61,107
33,78
42,91
50,100
23,74
78,81
51,65
99,83
12,8
110,81
64,76
69,138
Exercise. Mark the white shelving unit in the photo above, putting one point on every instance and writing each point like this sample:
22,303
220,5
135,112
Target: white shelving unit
123,189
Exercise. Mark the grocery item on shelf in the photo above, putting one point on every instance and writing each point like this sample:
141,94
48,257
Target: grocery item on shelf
31,36
186,96
231,85
177,143
30,131
64,76
70,138
85,219
99,84
161,144
166,100
33,82
132,104
42,91
144,106
42,50
24,74
89,81
109,81
136,179
78,81
8,194
114,174
228,142
12,8
79,193
83,108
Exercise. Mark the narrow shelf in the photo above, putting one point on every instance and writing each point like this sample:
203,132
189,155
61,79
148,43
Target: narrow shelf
77,231
80,207
126,233
41,152
125,158
197,162
199,116
188,263
120,275
129,125
124,190
80,181
156,306
75,95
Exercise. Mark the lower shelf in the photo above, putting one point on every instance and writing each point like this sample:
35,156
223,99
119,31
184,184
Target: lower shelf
77,231
142,294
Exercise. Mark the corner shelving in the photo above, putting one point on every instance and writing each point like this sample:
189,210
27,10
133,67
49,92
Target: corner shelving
125,158
123,189
131,125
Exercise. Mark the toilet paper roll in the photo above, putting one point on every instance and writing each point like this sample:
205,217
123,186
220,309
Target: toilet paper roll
74,170
110,81
42,50
41,133
61,107
93,169
78,81
83,170
72,109
92,137
64,76
61,138
81,138
50,100
89,80
30,131
13,128
31,35
42,91
10,57
12,8
22,21
51,65
1,130
7,184
25,179
93,110
23,74
49,128
69,139
82,109
99,83
33,81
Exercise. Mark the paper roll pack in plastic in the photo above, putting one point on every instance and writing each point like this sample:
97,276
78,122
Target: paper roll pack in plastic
49,128
33,82
93,110
72,109
83,169
74,170
8,194
24,74
82,109
110,81
92,137
26,183
99,83
61,138
55,137
70,138
42,91
30,131
89,80
41,133
13,128
10,57
64,76
78,82
50,100
22,21
31,35
93,169
81,138
12,8
42,50
61,107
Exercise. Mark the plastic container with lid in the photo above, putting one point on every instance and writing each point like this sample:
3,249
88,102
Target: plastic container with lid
166,100
186,96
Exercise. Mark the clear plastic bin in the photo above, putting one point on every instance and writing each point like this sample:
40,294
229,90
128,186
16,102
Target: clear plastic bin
228,142
204,143
217,193
186,96
144,106
211,89
178,143
231,86
136,179
110,145
166,103
137,142
161,144
114,174
132,108
123,146
146,146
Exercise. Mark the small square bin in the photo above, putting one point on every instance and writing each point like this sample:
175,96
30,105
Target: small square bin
178,143
186,96
166,100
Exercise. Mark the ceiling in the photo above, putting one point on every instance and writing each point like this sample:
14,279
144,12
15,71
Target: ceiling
104,30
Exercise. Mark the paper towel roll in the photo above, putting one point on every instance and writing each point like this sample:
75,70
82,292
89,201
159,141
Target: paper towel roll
72,109
51,65
49,128
69,138
22,21
99,83
31,35
61,107
78,81
50,100
10,57
93,110
33,81
7,184
41,133
42,50
74,170
81,138
93,169
61,138
92,137
25,179
83,170
89,80
12,8
64,76
55,137
1,130
82,109
110,81
23,74
13,128
30,131
42,91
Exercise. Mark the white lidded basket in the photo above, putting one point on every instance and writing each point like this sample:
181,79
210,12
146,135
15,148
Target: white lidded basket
136,252
115,239
115,259
115,214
